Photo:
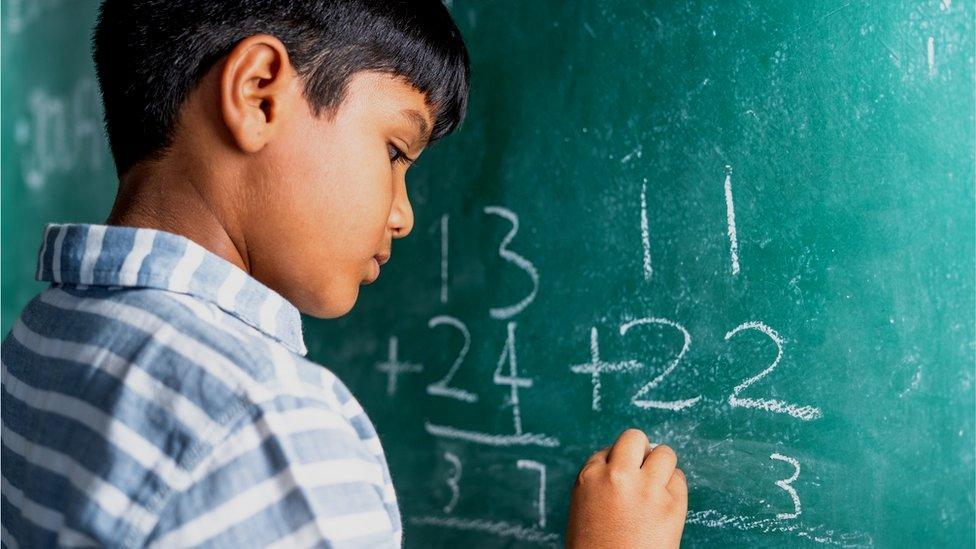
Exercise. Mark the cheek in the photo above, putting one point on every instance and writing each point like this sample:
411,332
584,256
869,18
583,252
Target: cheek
337,185
324,211
360,196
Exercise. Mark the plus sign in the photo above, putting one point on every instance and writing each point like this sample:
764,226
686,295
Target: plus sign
595,367
393,367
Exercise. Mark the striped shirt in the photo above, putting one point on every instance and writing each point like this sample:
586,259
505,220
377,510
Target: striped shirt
155,394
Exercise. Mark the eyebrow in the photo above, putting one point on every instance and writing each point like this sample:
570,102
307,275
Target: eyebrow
421,122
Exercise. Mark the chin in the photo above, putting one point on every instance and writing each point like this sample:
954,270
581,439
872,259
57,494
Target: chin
331,305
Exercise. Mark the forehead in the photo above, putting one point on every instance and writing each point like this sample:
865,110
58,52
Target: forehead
394,97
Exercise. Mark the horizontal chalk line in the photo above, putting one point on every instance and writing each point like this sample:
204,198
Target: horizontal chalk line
524,439
711,518
504,529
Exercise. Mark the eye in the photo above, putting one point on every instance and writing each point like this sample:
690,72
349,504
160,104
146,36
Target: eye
398,156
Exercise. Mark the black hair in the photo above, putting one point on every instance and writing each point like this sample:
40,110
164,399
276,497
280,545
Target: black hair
150,54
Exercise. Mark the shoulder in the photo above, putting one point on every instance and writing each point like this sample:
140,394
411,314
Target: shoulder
261,373
159,327
300,466
180,356
181,338
228,411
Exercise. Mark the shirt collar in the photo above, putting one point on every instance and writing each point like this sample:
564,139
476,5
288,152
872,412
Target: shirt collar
109,255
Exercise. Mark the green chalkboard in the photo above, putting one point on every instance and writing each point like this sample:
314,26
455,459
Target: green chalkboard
624,137
751,222
56,165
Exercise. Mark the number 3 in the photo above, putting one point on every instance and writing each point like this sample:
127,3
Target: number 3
786,485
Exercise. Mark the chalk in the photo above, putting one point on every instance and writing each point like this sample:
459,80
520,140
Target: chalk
638,399
785,485
805,413
489,439
64,133
498,528
596,366
638,152
730,215
512,378
712,518
392,366
541,501
441,387
453,481
515,259
645,232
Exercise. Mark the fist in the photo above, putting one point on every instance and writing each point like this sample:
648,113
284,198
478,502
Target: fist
627,496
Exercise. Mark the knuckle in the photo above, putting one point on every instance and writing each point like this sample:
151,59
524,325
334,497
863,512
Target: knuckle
680,477
633,434
631,438
587,475
618,477
667,451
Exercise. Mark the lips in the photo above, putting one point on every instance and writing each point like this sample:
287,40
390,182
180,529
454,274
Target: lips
377,260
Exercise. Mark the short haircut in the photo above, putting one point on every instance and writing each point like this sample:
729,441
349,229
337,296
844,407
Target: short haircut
150,54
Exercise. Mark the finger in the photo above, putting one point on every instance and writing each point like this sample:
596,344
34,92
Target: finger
678,486
600,456
595,463
629,449
659,464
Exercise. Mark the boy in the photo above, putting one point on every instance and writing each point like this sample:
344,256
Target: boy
155,393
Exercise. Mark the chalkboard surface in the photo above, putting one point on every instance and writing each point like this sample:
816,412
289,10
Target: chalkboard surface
745,227
56,165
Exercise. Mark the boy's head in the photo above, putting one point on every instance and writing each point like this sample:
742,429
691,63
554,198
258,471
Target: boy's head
291,124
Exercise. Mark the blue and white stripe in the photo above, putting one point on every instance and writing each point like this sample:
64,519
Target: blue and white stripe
155,394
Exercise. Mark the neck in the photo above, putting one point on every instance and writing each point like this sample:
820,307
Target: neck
159,197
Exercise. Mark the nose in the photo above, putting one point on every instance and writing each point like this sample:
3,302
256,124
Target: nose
401,215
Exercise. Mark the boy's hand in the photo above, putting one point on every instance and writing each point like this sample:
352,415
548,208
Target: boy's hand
628,496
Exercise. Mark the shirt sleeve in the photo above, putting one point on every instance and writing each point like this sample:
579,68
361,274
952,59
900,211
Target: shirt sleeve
292,474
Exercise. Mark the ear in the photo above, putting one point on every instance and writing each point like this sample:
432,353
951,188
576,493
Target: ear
256,85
